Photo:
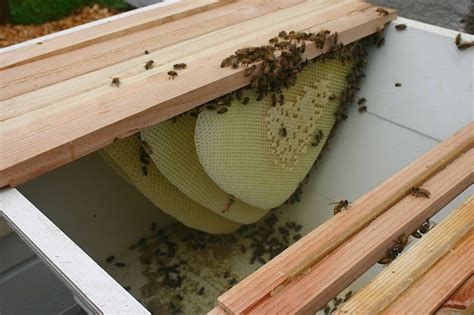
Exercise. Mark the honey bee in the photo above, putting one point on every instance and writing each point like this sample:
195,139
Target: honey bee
274,100
458,39
273,40
229,203
382,11
250,70
149,64
425,227
416,234
147,148
381,42
283,35
283,132
238,95
222,110
466,45
401,27
361,101
420,192
282,99
245,101
145,170
343,204
332,97
172,74
146,52
115,82
211,107
180,66
362,108
225,62
398,84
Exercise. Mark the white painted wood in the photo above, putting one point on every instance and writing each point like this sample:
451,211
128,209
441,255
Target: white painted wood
96,289
87,25
4,228
437,93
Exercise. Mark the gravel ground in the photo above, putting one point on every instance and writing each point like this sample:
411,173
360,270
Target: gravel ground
454,14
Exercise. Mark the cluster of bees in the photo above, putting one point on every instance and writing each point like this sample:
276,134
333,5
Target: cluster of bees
423,229
461,44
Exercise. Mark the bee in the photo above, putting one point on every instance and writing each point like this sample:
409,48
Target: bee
146,52
211,107
239,94
283,35
229,203
465,45
282,99
425,227
222,110
115,82
343,204
149,64
381,42
416,234
110,259
420,192
172,74
201,291
361,101
303,47
273,40
245,100
274,100
250,70
401,27
180,66
120,264
362,108
457,40
225,62
382,11
283,132
398,84
147,148
332,97
145,170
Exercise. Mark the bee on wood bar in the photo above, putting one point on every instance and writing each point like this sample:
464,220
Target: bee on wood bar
146,52
180,66
273,40
416,234
250,70
426,227
420,192
147,148
401,27
283,35
457,40
382,11
343,204
466,45
172,74
149,64
115,82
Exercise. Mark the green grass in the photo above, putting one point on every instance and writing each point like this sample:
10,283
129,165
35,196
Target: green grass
41,11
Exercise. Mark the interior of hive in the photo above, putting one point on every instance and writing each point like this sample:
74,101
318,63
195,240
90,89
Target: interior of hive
166,265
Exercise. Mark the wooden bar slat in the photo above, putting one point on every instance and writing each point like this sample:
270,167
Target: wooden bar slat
335,231
319,284
70,129
429,292
462,298
133,69
55,69
100,33
410,266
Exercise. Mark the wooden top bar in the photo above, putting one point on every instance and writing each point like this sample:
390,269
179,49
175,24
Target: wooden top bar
57,104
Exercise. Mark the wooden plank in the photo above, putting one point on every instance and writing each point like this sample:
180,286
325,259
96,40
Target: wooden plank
51,94
16,81
338,229
110,113
311,291
429,292
216,311
463,297
401,274
113,29
83,276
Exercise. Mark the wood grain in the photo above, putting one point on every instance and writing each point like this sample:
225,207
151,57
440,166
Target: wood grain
58,68
463,297
429,292
259,284
36,142
100,33
384,289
